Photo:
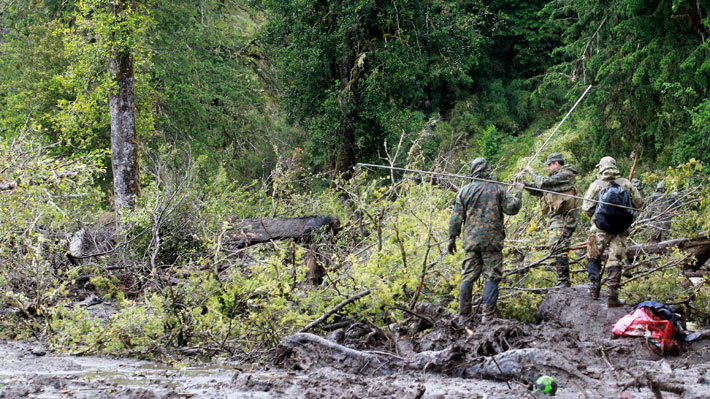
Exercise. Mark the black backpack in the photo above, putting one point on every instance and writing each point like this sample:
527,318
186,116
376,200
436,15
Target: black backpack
614,219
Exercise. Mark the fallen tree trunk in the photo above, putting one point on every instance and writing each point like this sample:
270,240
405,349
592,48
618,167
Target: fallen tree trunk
258,230
697,248
100,239
304,351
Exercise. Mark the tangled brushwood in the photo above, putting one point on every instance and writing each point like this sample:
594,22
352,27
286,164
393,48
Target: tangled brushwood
186,275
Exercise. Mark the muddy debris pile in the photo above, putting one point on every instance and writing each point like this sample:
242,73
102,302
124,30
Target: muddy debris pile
572,342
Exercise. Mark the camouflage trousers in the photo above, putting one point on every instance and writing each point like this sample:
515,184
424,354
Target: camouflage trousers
560,229
615,243
486,263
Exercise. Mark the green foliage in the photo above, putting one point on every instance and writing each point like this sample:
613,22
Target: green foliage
238,101
197,78
136,329
50,192
689,178
490,144
211,84
75,329
243,302
32,56
664,287
695,141
649,67
523,308
523,43
417,227
106,286
370,70
98,32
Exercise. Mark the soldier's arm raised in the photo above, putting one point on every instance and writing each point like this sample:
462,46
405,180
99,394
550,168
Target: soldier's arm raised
532,192
636,197
550,182
511,204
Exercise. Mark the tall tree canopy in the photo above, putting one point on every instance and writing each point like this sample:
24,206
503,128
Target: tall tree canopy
220,75
650,62
212,83
359,73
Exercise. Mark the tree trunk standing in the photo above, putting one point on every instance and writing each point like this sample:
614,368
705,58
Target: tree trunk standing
346,153
348,105
124,147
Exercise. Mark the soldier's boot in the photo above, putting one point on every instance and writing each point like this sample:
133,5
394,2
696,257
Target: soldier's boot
490,301
594,268
488,313
562,269
465,290
613,284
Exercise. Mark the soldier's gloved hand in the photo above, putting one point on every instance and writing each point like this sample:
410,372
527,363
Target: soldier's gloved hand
452,247
530,170
519,186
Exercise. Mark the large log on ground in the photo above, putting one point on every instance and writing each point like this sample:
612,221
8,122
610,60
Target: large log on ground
93,240
303,351
698,248
253,231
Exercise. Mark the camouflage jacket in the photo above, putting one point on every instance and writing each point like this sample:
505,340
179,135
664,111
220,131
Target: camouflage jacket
603,179
563,180
479,207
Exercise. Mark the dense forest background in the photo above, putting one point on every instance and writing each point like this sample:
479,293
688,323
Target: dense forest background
263,108
248,83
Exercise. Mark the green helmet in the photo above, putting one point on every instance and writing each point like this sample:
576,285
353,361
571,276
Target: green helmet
546,385
479,166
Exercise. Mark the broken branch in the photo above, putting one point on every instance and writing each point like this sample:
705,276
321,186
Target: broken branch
333,310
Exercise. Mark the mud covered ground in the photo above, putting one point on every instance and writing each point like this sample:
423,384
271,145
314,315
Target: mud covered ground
432,355
25,374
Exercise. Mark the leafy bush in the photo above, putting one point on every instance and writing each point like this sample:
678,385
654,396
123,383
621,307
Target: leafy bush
43,197
177,288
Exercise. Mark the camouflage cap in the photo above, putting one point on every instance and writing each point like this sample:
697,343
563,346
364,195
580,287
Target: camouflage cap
555,157
606,162
479,165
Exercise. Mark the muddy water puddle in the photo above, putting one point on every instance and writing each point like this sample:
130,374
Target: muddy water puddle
26,371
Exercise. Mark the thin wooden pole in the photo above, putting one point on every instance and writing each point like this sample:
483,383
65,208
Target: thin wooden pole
558,125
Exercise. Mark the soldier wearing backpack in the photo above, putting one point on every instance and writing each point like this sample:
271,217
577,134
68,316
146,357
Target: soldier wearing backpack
610,225
561,211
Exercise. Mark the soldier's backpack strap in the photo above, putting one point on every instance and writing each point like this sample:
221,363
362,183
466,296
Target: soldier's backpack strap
603,184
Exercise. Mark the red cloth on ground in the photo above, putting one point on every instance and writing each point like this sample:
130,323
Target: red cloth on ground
643,323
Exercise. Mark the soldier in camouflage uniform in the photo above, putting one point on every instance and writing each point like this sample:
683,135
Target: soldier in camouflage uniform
479,207
601,240
561,211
